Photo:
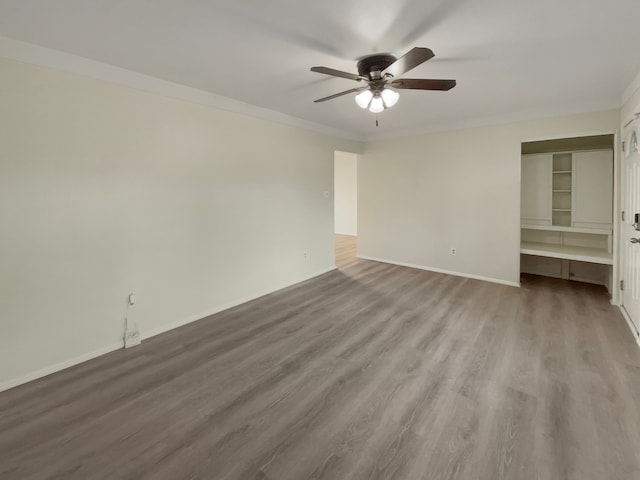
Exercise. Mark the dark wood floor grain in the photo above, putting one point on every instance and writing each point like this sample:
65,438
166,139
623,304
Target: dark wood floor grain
370,372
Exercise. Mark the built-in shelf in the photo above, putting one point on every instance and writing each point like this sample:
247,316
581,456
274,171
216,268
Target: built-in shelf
581,254
562,168
566,206
558,228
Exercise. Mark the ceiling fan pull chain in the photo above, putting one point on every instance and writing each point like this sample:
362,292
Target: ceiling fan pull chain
376,119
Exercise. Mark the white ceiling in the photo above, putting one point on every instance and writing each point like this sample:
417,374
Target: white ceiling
512,59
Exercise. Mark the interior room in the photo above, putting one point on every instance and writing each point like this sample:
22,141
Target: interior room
330,240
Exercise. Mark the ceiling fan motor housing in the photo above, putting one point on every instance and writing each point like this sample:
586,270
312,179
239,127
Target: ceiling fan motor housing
380,75
371,65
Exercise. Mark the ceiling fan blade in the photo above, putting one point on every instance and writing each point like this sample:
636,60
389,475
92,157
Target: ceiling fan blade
336,95
422,84
337,73
409,60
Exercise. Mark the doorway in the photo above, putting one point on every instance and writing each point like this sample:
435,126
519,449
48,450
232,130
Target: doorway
345,207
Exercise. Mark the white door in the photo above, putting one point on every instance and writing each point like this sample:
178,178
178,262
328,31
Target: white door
631,235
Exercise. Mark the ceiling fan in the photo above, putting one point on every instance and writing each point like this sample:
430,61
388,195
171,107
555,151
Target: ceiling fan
379,73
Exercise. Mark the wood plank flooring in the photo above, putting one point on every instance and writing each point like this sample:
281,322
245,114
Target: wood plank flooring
371,372
346,250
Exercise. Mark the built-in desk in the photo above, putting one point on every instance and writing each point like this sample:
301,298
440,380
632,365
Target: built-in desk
583,254
568,252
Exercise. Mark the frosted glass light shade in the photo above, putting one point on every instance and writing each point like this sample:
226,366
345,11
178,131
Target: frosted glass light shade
390,97
377,105
363,98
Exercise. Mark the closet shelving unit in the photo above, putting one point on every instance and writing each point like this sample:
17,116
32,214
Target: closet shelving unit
567,213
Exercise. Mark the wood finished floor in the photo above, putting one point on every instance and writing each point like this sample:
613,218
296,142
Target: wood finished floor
371,372
346,250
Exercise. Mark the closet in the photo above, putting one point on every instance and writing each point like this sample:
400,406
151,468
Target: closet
567,209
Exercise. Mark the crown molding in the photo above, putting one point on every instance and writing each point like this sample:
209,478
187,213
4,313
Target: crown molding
58,60
66,62
496,120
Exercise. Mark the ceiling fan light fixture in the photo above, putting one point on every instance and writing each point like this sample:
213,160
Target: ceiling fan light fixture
377,104
363,99
381,76
390,97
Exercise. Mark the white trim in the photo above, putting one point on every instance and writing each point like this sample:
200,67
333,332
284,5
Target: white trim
43,372
66,62
614,288
165,328
563,136
440,270
506,119
58,60
632,327
631,89
199,316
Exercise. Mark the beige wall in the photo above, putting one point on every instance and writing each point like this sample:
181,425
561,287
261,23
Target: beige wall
107,190
421,196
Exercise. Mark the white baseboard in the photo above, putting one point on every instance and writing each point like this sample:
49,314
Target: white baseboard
439,270
221,308
144,335
43,372
632,327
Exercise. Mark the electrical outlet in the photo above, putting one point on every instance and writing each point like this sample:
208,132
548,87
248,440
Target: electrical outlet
453,251
306,256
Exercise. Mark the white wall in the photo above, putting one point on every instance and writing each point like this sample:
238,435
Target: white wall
346,193
420,196
105,190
